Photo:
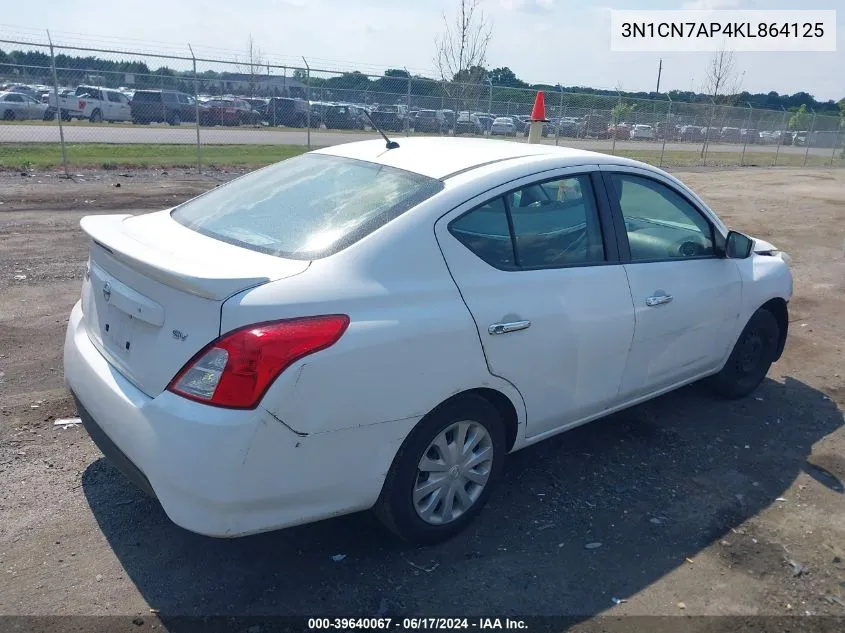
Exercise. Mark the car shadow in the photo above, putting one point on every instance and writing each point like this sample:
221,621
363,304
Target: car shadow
652,485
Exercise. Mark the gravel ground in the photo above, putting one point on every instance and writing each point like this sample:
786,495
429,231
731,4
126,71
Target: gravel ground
700,506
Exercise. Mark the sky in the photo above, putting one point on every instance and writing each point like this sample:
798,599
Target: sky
549,41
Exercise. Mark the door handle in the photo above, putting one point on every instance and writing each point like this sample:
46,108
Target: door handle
657,300
505,328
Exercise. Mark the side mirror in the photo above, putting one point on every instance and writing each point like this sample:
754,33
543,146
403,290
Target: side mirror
738,246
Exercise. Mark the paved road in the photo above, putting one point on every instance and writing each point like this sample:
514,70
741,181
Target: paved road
186,134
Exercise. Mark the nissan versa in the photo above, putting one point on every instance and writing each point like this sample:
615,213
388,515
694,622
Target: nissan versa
378,327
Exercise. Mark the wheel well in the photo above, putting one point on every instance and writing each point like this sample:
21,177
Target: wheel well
502,404
778,309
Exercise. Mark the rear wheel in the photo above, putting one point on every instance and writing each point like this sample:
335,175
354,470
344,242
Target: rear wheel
444,472
9,115
751,358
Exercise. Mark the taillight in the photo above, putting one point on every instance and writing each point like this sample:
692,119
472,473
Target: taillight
237,369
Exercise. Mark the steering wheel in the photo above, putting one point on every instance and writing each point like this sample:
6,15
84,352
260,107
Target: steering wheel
690,249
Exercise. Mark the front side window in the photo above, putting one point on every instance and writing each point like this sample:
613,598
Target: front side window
660,223
306,207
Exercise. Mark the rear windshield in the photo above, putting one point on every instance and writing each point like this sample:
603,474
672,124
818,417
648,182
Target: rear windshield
306,207
147,96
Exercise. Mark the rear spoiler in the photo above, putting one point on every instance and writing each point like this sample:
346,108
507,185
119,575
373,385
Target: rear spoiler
211,272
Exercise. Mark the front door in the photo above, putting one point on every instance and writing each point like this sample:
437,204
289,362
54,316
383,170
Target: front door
548,295
686,295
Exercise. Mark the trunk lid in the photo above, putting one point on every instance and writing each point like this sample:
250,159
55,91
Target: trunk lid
153,291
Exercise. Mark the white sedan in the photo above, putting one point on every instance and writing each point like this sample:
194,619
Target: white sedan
361,327
642,132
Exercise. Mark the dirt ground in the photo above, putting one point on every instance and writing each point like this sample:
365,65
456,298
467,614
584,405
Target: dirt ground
700,506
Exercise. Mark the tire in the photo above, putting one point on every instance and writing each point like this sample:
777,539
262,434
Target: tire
96,116
478,421
9,115
174,119
751,357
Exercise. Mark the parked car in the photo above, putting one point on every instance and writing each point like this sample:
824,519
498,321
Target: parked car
429,121
664,129
640,132
568,126
621,132
690,134
749,136
219,112
258,104
341,117
800,138
97,105
390,118
163,106
729,135
594,125
257,357
486,122
503,126
468,123
17,105
449,117
287,111
711,134
66,103
24,89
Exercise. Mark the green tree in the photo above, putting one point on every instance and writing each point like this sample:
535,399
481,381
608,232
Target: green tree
506,77
798,120
621,111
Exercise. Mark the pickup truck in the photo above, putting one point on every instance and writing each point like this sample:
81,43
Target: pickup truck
92,103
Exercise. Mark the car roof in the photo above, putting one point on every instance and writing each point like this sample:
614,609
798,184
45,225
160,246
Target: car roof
439,157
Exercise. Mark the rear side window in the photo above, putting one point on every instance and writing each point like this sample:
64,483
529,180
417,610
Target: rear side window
485,232
548,224
147,97
307,207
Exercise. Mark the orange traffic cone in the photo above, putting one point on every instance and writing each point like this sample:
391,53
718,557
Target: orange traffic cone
539,111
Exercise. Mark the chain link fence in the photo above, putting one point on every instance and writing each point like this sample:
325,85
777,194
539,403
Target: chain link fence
75,105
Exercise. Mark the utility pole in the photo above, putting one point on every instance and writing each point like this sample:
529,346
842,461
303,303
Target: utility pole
659,72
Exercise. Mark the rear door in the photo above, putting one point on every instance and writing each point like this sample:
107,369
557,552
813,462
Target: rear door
537,265
686,295
118,106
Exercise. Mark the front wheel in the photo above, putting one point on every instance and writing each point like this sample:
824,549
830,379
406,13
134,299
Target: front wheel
444,472
175,119
751,358
96,116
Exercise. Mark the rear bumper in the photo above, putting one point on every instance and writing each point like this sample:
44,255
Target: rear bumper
220,472
112,451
